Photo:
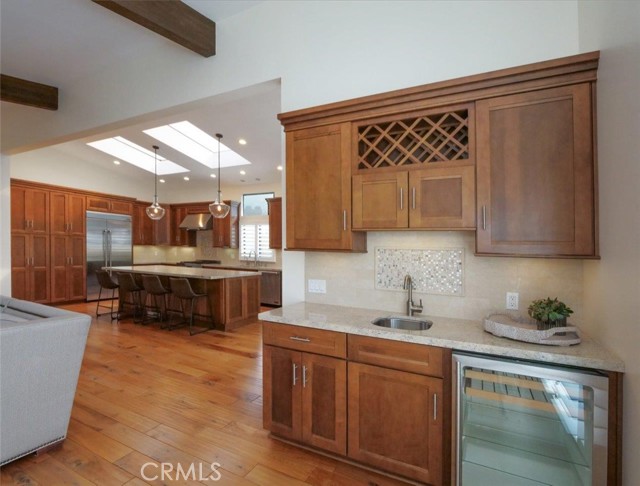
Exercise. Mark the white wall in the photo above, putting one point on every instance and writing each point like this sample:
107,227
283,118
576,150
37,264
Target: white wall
5,230
612,285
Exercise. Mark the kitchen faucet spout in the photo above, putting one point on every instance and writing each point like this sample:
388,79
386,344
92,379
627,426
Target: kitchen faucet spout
411,307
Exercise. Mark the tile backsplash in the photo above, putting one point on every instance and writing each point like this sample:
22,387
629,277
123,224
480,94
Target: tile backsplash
433,271
353,279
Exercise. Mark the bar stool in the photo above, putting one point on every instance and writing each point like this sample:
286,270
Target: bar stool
106,283
129,287
158,294
181,288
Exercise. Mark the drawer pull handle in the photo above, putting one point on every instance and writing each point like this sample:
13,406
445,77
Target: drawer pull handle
435,406
484,217
401,199
298,338
295,378
304,376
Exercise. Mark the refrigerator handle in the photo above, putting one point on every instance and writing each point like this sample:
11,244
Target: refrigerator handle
109,247
104,246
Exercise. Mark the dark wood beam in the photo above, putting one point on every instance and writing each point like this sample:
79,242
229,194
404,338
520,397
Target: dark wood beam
171,19
23,92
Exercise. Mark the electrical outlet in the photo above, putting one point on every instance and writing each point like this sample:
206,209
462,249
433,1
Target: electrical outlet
512,300
317,286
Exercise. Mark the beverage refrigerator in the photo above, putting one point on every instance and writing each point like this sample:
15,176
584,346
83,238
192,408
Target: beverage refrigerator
522,423
109,243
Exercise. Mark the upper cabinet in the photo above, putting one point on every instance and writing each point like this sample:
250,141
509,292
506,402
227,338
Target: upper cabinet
226,231
319,190
29,210
509,154
415,171
67,213
536,173
109,205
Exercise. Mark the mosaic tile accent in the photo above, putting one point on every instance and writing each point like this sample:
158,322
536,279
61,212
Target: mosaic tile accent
437,272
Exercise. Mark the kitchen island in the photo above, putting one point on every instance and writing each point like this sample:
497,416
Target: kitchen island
233,297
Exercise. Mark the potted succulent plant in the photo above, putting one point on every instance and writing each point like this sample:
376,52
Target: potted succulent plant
549,312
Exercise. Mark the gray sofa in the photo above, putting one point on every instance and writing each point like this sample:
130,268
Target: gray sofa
41,350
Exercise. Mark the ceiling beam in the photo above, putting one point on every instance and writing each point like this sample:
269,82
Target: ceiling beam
23,92
171,19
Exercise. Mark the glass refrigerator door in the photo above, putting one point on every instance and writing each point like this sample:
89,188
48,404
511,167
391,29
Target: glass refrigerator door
524,424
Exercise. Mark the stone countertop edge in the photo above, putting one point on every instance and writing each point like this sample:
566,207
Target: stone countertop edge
458,334
244,268
187,272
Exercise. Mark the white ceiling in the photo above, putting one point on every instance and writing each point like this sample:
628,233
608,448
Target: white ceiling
59,42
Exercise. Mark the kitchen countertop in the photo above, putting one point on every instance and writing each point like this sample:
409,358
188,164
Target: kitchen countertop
245,268
459,334
188,272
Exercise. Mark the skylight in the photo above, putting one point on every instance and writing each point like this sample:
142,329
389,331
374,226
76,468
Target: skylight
185,137
136,155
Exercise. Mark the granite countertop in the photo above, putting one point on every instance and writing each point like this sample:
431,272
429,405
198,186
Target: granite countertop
459,334
245,268
188,272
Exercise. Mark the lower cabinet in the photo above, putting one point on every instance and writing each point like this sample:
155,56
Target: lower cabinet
68,276
30,270
306,398
387,405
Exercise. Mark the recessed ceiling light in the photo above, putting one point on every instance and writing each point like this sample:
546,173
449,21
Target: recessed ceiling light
187,138
214,176
279,167
242,172
186,178
117,162
136,155
242,141
162,181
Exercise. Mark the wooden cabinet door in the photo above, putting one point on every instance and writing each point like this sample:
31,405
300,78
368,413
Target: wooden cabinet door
67,214
394,422
274,206
29,210
40,273
535,173
143,226
251,296
76,273
324,402
380,200
442,198
59,265
226,230
68,279
282,412
20,265
319,190
162,228
96,203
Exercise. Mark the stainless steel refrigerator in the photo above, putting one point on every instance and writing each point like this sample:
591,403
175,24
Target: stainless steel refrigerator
109,244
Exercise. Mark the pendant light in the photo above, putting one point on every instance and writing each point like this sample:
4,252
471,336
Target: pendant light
218,208
155,211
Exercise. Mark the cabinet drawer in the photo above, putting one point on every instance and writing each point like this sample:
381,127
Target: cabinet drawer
328,343
416,358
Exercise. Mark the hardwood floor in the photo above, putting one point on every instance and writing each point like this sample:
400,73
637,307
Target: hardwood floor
148,396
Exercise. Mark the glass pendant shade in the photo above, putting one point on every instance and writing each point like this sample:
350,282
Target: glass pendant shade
155,211
218,208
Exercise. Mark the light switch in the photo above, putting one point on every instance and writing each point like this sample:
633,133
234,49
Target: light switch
317,286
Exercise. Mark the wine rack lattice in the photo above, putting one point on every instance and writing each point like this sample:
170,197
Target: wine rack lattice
426,139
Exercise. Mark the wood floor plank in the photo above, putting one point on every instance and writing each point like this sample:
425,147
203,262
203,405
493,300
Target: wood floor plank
89,465
148,396
96,442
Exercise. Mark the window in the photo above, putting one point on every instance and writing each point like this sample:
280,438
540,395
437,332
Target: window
255,204
254,229
254,242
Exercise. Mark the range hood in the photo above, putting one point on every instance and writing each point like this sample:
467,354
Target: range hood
202,221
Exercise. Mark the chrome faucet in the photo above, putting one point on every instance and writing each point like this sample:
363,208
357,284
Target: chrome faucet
411,307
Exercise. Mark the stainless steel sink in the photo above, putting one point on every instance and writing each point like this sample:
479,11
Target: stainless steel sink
406,323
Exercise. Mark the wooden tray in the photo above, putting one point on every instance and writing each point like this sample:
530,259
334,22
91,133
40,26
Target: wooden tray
526,330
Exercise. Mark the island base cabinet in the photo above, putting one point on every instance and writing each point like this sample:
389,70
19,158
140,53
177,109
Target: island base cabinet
305,398
395,423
